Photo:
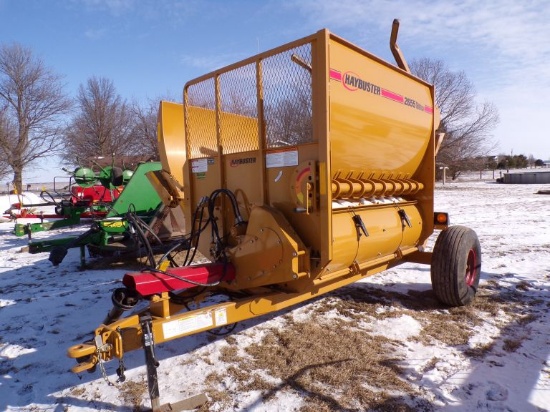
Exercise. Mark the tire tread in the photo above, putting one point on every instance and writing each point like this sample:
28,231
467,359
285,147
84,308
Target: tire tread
449,254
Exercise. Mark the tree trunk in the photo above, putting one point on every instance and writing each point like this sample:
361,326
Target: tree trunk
18,179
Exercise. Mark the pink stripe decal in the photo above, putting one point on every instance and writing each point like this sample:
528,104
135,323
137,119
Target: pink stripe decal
393,96
335,75
428,109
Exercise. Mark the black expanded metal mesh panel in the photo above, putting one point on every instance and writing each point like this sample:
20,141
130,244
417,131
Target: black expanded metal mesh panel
200,120
239,109
287,97
285,85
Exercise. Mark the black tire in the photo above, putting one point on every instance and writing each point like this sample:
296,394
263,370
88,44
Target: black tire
116,176
456,266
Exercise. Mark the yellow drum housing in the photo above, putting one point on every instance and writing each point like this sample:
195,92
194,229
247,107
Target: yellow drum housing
328,135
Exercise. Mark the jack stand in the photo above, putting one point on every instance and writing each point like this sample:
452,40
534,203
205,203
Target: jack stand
82,257
152,377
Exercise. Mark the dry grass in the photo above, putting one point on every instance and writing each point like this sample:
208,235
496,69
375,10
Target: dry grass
480,351
133,394
430,365
228,354
512,345
78,392
523,285
221,397
333,363
342,368
333,369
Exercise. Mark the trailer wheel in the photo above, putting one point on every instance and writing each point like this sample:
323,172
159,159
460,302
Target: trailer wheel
456,266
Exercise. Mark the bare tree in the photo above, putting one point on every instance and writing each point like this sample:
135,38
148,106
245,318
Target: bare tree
32,105
7,133
467,125
103,126
144,130
289,122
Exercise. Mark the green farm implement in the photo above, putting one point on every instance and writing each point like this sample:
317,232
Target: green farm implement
91,195
136,217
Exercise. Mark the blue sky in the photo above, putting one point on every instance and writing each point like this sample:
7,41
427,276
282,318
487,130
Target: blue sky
151,48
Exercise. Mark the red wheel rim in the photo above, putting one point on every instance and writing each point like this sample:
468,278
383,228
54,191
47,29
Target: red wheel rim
471,268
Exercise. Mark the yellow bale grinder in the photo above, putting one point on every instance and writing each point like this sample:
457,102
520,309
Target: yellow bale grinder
299,170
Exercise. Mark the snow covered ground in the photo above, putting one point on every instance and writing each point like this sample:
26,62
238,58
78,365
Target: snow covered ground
382,344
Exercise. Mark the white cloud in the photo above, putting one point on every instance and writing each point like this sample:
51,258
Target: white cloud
95,34
167,10
115,7
503,46
209,63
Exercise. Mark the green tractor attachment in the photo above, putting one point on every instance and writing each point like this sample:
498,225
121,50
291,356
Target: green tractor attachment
136,217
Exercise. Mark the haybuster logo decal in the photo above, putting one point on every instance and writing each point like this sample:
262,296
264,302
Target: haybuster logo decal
242,161
353,82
